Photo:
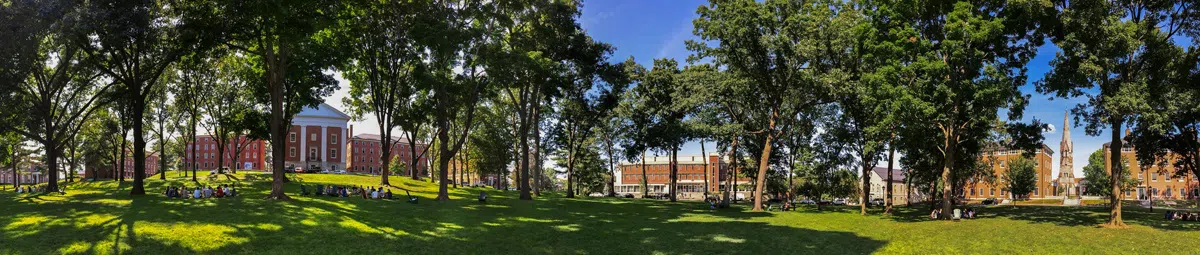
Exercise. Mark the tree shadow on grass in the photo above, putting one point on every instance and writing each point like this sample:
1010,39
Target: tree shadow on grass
155,225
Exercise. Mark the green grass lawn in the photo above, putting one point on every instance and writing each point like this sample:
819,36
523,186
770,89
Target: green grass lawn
99,217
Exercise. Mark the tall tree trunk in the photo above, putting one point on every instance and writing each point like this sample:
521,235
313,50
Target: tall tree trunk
195,146
674,173
888,201
645,183
444,157
732,179
537,151
52,164
162,153
951,146
570,175
386,149
763,164
523,170
1114,152
139,144
866,187
275,66
612,170
124,153
704,157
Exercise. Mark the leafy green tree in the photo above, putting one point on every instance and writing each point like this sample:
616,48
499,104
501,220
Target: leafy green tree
134,43
54,98
1098,178
1021,177
491,145
284,40
386,41
193,74
764,46
1115,49
661,95
224,100
584,104
956,64
1166,132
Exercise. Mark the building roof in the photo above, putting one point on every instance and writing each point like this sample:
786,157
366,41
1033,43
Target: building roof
323,110
1045,147
376,137
897,175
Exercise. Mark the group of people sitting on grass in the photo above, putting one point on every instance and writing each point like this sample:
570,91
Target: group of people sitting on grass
1183,216
343,191
200,192
969,213
28,189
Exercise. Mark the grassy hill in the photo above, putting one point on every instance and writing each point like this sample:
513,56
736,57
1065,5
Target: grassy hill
99,218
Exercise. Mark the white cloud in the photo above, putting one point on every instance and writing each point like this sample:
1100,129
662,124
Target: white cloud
674,44
1050,129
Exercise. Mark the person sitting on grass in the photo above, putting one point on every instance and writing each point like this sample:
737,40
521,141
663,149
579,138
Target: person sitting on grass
320,190
374,194
196,193
935,214
344,193
482,196
1169,215
221,191
970,213
388,195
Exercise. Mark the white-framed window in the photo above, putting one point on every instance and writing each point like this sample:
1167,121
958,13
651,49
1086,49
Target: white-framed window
312,137
292,152
292,136
333,153
312,153
333,139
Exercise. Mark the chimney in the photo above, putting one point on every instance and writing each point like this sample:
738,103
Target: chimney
351,134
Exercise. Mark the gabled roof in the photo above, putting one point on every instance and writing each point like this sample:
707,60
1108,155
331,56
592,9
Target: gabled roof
897,175
323,110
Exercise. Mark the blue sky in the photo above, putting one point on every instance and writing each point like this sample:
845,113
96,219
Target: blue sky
647,30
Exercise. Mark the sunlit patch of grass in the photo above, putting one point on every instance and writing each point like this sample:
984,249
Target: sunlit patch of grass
567,228
726,239
78,247
356,225
195,237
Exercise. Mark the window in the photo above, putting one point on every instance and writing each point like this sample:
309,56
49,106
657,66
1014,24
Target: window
292,136
1002,164
292,152
1154,176
312,153
1037,190
333,153
992,192
312,137
333,139
972,192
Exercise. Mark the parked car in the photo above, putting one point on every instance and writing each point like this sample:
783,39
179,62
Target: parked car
989,201
808,202
340,172
298,170
824,202
877,201
324,171
839,201
628,195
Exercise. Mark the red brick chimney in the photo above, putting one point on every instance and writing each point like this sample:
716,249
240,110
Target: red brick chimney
351,134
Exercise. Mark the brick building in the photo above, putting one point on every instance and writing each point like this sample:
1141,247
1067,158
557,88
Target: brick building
999,160
1157,181
691,176
365,154
251,157
106,171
